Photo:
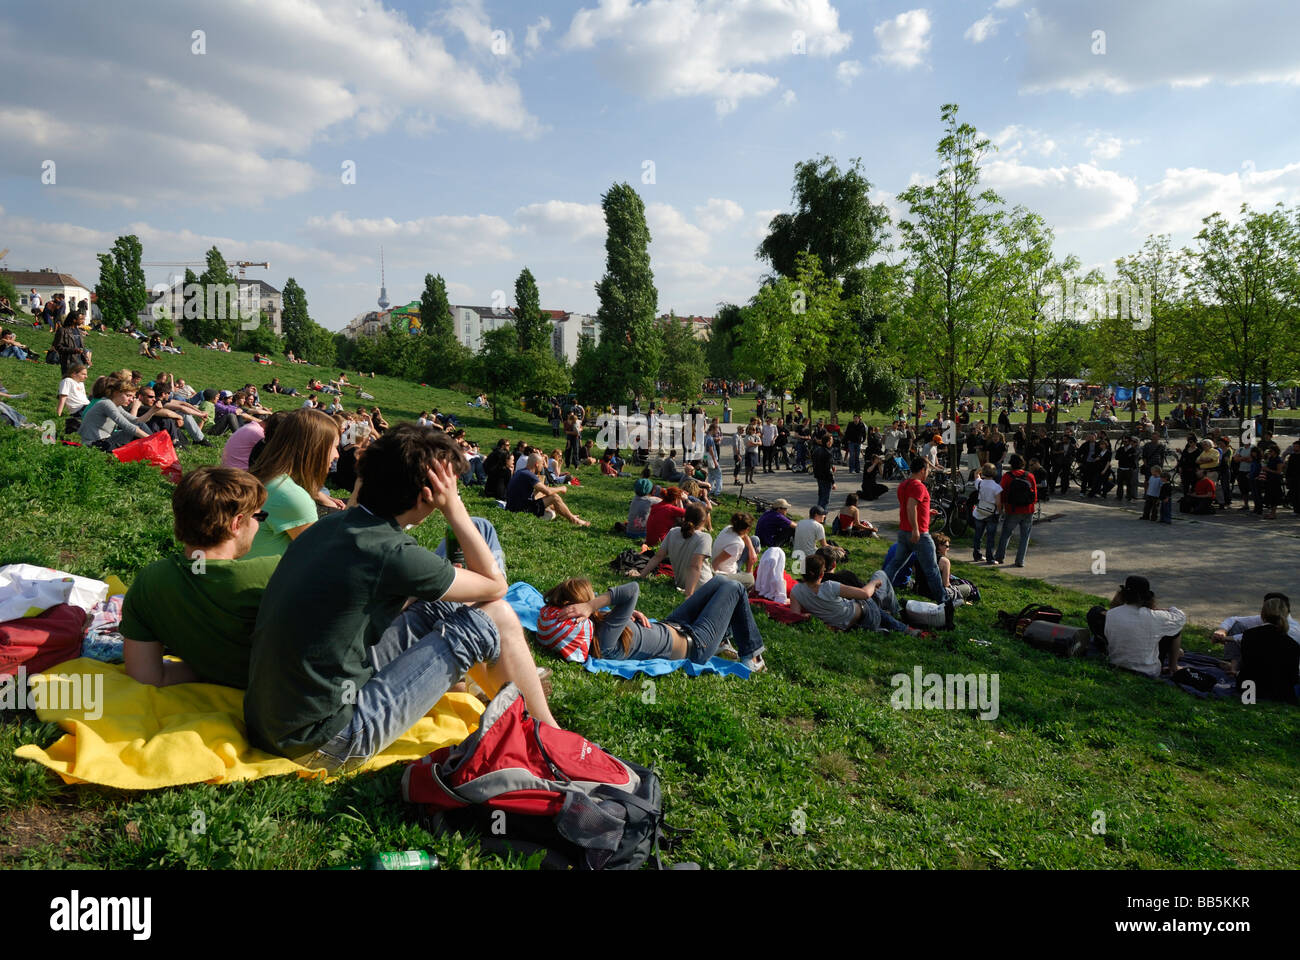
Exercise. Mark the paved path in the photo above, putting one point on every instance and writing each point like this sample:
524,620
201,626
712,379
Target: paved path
1209,567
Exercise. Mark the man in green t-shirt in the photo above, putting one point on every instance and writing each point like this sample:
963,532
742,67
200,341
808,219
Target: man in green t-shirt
201,606
341,665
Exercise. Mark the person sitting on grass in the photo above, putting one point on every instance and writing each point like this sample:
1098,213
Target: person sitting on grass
851,522
105,423
336,681
956,592
72,392
774,527
201,606
810,532
573,626
527,494
832,556
1267,654
665,515
688,548
638,511
734,554
553,474
607,465
293,466
499,465
11,348
1136,634
843,607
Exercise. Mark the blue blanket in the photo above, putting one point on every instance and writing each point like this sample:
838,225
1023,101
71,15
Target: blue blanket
526,601
627,669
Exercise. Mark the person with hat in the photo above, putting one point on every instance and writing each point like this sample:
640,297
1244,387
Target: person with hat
639,510
1136,633
774,527
810,533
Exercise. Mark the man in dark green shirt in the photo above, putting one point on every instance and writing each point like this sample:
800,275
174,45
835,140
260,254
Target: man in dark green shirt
339,669
201,606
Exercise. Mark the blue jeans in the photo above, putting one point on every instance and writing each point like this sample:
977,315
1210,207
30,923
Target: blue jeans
423,652
474,472
1012,521
718,608
715,481
986,529
927,563
824,493
489,534
881,611
13,352
855,453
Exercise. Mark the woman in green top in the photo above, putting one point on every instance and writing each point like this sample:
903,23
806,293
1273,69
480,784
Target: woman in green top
293,466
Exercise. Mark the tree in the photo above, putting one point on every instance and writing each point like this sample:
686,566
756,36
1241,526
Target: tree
435,310
720,349
263,339
193,324
960,289
683,369
864,376
595,379
628,299
1245,274
1039,281
511,374
533,329
834,219
121,291
786,328
295,322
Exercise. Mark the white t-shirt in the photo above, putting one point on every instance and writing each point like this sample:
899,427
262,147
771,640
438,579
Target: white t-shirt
521,463
727,542
738,442
75,391
769,434
809,534
988,490
1133,636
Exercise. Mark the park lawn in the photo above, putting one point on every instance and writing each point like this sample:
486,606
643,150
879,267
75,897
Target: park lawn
806,766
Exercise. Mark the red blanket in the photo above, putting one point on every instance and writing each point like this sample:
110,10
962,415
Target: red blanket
777,611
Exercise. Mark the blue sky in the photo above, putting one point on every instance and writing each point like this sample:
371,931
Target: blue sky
483,132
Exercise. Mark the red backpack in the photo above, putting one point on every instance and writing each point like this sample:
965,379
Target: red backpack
43,641
528,788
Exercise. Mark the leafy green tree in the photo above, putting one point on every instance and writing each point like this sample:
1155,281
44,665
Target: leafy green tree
263,339
595,379
435,309
533,329
1244,273
192,320
510,375
860,374
628,298
961,291
720,349
108,291
295,322
165,326
121,291
683,368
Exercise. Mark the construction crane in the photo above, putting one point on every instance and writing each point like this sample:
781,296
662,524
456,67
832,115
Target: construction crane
241,264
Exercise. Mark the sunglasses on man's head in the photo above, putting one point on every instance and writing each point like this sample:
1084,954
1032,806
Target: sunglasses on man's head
260,516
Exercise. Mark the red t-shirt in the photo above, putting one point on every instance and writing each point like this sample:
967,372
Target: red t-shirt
1033,485
1204,488
914,489
663,517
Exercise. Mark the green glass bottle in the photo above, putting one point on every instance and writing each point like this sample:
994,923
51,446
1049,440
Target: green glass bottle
402,860
455,555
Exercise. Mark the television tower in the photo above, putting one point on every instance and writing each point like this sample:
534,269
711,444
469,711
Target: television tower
383,289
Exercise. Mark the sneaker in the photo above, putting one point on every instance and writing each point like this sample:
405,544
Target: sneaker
995,563
979,558
728,651
754,664
1018,564
548,513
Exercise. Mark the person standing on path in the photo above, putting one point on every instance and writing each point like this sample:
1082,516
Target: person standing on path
1019,496
855,434
914,530
823,471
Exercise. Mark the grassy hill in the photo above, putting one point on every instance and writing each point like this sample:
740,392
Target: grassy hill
807,766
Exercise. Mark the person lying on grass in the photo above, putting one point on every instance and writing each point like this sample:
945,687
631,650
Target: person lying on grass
201,606
688,548
294,465
574,625
527,494
335,681
844,607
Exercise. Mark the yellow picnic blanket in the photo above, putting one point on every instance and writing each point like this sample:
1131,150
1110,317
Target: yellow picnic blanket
148,737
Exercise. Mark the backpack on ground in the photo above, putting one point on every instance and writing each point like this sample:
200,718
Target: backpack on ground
42,641
630,560
1057,638
1016,623
1020,492
527,788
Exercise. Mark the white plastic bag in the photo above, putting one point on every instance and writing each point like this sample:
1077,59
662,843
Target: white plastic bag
27,590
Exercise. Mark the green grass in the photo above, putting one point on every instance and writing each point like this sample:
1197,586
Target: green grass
1183,783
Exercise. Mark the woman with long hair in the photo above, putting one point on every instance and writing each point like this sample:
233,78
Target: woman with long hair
689,548
293,467
664,515
105,423
573,625
734,554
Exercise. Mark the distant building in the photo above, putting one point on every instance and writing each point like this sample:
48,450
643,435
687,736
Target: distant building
702,326
47,282
566,328
254,295
472,322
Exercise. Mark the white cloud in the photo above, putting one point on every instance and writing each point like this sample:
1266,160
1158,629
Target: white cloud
717,215
904,40
672,236
1015,139
1078,197
577,221
762,218
848,71
136,118
533,36
838,135
982,29
461,240
1178,43
690,48
1106,147
789,98
1006,4
1182,197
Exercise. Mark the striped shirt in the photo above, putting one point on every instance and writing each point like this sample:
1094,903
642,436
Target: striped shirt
568,639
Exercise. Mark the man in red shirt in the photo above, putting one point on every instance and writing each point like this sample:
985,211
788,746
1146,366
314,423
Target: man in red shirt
1019,497
1203,494
914,531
